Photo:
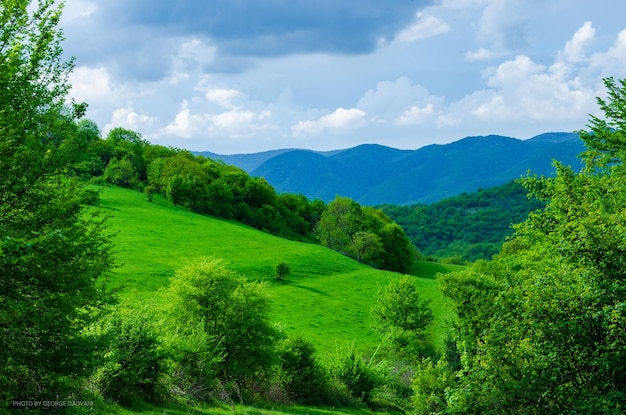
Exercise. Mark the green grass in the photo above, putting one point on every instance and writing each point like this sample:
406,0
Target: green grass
326,298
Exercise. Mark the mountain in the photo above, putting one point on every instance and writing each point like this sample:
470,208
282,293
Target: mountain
375,174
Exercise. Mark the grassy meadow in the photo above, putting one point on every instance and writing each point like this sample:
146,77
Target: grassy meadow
326,298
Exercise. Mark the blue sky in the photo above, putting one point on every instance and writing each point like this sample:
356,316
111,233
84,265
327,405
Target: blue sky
241,76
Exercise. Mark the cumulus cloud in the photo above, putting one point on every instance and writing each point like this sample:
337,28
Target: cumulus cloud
574,50
127,117
521,89
425,26
222,97
390,99
186,124
415,115
340,120
91,84
503,25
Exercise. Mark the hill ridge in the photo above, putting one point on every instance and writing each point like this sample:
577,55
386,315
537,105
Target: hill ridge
375,174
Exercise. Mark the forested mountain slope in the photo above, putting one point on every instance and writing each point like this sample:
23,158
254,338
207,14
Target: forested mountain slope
470,226
375,174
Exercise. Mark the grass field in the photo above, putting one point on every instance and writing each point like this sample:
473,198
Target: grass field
326,298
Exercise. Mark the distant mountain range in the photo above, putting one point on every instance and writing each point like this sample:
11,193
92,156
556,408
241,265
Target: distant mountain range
373,174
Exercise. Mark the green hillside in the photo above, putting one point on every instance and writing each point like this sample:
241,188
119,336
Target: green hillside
326,298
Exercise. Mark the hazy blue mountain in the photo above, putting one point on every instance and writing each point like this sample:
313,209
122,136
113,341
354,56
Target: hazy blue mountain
375,174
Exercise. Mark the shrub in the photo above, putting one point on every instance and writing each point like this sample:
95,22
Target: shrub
361,377
302,377
282,270
133,363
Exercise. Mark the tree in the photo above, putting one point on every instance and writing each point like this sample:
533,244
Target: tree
542,326
282,270
365,246
401,315
52,252
228,320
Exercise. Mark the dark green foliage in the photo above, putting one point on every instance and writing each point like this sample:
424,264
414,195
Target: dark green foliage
51,252
472,225
365,234
133,367
303,378
121,173
282,270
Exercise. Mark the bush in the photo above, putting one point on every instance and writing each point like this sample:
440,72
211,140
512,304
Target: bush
302,377
360,377
282,270
133,363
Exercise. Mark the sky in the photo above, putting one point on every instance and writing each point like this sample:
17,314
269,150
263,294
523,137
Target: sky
243,76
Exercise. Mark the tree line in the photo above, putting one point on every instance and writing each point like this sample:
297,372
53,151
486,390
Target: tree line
211,187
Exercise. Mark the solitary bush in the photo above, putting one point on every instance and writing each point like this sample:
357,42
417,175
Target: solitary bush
282,270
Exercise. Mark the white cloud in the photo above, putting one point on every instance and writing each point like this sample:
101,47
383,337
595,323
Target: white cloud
222,97
481,54
341,119
574,50
523,90
91,84
502,25
128,118
186,124
390,99
613,61
240,123
425,26
415,115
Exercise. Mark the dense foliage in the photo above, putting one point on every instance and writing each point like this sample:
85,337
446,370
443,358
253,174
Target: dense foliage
542,327
365,234
472,225
51,253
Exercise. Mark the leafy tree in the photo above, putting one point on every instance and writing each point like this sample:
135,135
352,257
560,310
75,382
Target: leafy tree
365,245
360,376
365,234
282,270
128,144
228,316
51,251
541,326
121,173
401,315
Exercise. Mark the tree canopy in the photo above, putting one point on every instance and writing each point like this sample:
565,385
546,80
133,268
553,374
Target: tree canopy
542,327
51,251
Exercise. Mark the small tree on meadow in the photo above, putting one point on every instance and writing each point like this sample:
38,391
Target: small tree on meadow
282,270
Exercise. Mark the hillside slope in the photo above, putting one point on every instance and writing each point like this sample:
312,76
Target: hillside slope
374,174
326,298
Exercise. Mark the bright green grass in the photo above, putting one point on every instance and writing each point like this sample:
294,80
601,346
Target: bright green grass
212,409
326,298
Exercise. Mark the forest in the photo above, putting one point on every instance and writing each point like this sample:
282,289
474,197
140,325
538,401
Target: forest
467,227
538,328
